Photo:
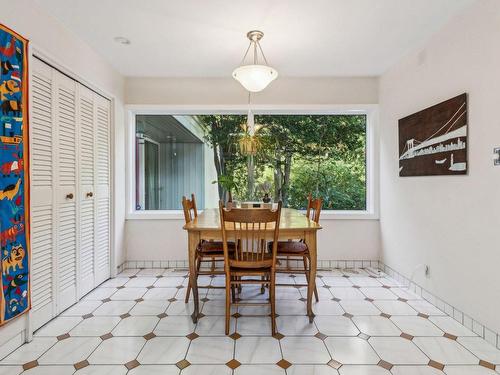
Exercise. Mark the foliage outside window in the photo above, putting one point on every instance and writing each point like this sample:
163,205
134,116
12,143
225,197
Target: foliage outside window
297,154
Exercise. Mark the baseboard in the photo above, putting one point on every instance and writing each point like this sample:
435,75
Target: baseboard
184,264
466,320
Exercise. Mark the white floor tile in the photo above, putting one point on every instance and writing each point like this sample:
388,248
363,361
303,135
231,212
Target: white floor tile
359,307
451,326
150,307
365,281
206,370
405,293
114,283
336,326
291,307
29,352
378,293
102,370
395,307
376,326
214,307
311,370
154,370
262,350
164,350
261,370
304,350
397,350
287,293
351,350
206,350
425,307
214,326
116,308
347,293
416,326
82,308
337,281
50,370
70,351
324,307
95,326
362,370
128,294
481,349
10,370
175,325
100,294
296,325
128,272
248,326
59,326
141,282
468,370
415,370
445,351
160,293
180,308
117,350
136,326
170,282
151,272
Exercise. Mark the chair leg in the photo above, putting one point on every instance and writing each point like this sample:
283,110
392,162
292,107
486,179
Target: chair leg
188,291
306,269
262,286
272,300
233,291
228,302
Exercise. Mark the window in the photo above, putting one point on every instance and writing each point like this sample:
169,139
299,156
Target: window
290,156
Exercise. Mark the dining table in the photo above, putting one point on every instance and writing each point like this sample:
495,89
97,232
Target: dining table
294,225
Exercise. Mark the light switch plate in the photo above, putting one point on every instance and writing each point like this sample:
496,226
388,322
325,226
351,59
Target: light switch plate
496,150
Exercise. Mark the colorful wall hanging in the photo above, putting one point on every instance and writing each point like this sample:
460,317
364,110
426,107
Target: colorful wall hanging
434,140
14,176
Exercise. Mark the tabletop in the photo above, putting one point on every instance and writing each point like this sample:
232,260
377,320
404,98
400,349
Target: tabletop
291,219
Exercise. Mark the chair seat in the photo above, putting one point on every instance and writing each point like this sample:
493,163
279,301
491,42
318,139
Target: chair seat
255,264
214,247
291,247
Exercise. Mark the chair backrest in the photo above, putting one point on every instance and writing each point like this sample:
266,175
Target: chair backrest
189,208
314,208
249,230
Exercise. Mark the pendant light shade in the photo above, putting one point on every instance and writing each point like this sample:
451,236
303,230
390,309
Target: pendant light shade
255,77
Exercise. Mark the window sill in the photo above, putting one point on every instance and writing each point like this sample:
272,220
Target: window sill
178,215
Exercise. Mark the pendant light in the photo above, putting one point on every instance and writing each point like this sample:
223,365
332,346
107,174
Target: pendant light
255,77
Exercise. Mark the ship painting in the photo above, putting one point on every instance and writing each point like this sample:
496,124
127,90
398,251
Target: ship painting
434,140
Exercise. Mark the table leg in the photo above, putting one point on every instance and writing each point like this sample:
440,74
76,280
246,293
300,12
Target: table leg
193,240
313,254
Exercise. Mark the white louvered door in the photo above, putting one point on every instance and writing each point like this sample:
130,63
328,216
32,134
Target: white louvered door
87,131
43,287
70,191
66,191
103,198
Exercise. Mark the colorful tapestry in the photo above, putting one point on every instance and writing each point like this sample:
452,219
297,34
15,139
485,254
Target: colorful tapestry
14,183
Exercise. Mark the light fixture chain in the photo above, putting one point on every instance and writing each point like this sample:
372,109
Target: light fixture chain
262,52
246,53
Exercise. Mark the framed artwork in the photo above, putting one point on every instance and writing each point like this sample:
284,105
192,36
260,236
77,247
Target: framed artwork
14,176
434,140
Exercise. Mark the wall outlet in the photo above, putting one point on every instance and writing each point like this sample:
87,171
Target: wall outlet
427,271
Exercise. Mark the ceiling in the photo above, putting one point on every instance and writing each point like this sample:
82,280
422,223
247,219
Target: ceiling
164,128
201,38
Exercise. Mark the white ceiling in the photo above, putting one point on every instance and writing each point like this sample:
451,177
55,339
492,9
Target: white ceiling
188,38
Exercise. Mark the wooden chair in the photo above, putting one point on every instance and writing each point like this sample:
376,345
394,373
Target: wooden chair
297,250
250,263
206,252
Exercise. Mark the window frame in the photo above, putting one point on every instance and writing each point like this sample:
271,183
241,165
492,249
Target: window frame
372,149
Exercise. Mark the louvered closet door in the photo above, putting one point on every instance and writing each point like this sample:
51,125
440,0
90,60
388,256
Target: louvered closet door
103,182
66,192
43,287
87,160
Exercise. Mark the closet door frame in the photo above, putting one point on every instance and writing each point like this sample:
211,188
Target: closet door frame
34,52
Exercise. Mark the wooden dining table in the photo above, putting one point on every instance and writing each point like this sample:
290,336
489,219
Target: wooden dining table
294,225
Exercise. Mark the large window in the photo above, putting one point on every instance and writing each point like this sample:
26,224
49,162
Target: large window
214,157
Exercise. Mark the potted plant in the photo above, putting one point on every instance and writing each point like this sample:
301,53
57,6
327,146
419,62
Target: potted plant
229,185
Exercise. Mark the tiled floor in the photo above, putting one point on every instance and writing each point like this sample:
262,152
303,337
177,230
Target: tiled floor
138,324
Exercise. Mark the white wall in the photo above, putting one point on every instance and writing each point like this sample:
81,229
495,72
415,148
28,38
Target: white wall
49,37
339,240
450,223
